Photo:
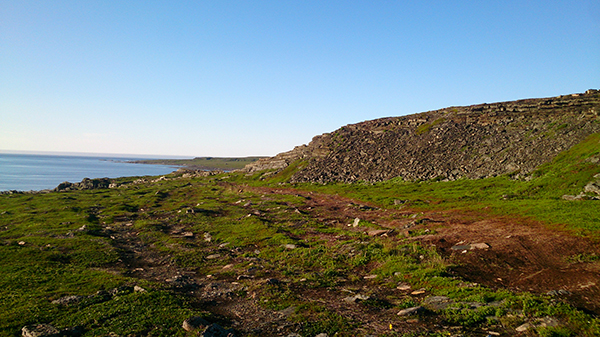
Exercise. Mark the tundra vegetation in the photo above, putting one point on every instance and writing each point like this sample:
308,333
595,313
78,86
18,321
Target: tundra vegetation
266,257
493,231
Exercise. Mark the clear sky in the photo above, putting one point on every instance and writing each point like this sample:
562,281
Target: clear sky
242,78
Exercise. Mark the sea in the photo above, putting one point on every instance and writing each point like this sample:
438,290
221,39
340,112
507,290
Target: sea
35,172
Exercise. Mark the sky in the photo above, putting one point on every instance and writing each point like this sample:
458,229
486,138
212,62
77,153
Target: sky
249,78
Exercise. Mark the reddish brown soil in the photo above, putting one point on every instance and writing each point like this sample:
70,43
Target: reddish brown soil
523,255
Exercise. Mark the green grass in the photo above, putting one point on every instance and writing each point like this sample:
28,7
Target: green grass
539,198
58,244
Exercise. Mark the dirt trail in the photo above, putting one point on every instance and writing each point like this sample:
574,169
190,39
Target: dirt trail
523,255
520,255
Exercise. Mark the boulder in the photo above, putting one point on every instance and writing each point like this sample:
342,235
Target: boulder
85,184
411,311
194,323
67,300
40,330
593,187
356,298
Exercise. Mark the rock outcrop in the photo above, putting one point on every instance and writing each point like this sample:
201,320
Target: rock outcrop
85,184
473,142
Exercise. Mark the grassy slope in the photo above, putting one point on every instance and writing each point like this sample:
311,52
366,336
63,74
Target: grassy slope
46,254
539,198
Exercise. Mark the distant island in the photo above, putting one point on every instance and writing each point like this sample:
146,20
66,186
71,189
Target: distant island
203,163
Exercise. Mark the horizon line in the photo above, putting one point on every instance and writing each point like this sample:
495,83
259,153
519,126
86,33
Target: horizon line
94,154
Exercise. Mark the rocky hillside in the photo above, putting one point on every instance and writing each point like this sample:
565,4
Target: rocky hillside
475,141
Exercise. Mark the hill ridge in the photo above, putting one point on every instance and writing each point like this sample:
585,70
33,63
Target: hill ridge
476,141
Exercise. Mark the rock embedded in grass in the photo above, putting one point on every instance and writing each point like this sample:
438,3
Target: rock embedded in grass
411,311
194,323
357,298
40,330
67,300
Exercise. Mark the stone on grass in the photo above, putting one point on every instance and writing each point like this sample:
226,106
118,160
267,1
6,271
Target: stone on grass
40,330
593,187
411,311
194,323
524,327
437,302
68,300
356,298
377,232
403,286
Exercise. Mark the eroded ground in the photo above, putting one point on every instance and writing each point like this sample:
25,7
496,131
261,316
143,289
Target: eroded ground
514,254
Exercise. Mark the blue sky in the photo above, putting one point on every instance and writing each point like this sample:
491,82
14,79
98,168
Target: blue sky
242,78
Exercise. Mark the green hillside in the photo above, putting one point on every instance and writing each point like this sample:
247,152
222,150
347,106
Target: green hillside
264,257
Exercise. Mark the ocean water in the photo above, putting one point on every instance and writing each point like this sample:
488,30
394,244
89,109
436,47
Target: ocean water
26,172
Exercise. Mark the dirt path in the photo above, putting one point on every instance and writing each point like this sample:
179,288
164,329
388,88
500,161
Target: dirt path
521,255
513,253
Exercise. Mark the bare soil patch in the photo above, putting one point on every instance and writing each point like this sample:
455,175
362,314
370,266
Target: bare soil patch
521,255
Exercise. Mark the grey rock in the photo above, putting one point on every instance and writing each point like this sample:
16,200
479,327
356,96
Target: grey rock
215,290
287,311
593,187
67,300
524,327
411,311
548,322
356,298
40,330
437,302
194,323
124,290
558,292
85,184
183,282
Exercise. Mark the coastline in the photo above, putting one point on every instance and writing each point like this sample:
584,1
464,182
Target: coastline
30,173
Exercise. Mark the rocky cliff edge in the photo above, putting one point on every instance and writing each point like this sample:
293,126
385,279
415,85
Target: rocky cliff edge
476,141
